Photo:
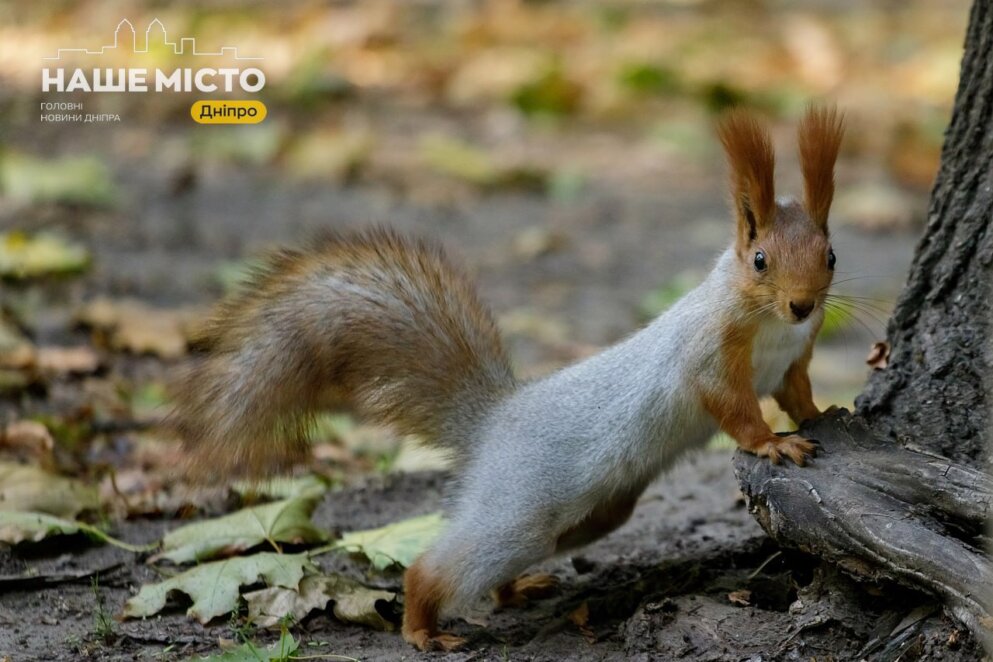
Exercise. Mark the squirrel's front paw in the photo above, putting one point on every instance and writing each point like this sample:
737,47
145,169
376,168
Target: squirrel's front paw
522,590
792,446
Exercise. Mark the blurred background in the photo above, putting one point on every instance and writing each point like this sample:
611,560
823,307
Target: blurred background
563,150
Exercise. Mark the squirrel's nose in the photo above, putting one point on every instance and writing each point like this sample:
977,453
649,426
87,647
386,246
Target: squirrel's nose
801,309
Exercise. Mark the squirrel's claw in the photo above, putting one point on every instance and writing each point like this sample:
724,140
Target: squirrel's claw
439,641
793,446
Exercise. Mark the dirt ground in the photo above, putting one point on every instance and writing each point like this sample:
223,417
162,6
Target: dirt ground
657,589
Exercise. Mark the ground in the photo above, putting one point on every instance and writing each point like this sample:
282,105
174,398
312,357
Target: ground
667,585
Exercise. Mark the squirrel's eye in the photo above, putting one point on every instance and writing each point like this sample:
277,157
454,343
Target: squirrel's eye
831,259
760,264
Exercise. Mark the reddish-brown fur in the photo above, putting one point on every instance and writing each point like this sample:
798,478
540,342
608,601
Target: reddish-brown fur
735,406
363,321
819,137
749,151
520,591
795,397
425,594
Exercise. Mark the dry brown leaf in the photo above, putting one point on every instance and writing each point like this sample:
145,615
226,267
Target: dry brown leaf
29,439
580,617
879,356
66,360
535,242
874,207
741,598
534,325
16,351
353,602
135,327
149,481
27,488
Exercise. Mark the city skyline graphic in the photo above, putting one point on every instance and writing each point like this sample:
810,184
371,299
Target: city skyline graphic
154,33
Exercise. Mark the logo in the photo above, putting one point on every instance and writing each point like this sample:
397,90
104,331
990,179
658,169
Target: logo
239,76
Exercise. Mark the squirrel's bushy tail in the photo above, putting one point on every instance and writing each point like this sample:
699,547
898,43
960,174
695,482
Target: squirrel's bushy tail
373,321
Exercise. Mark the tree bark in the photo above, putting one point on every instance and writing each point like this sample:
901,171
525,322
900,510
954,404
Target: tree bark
882,512
899,492
935,391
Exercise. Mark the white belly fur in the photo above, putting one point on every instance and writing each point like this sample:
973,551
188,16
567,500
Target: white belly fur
775,347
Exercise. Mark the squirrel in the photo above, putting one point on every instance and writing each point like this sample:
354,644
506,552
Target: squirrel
387,326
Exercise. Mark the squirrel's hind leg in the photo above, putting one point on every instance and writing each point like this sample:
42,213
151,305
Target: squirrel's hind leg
425,594
466,563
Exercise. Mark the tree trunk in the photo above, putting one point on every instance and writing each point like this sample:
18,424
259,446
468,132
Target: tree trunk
935,390
898,492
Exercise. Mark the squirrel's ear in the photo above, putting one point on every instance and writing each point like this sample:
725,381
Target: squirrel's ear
819,137
752,161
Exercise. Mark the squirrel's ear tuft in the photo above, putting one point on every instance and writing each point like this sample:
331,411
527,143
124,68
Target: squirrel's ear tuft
819,134
752,161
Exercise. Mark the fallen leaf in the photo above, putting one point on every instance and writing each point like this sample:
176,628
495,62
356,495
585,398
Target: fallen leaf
29,439
27,488
742,598
12,381
285,487
233,275
17,527
135,327
353,602
492,74
214,587
580,617
471,164
875,208
16,351
23,256
66,360
534,242
255,145
81,180
330,155
282,521
149,401
278,651
535,325
649,78
394,544
879,356
458,159
552,93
